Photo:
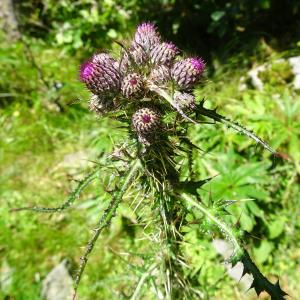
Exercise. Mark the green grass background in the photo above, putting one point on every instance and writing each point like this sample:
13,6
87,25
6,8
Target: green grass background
41,157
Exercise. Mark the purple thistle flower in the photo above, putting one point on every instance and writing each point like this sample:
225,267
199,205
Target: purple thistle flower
186,73
100,74
132,85
163,53
146,35
146,123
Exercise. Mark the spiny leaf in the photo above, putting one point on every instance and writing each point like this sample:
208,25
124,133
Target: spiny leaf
190,186
260,282
212,113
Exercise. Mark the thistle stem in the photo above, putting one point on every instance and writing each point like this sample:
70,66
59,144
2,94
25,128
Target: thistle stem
142,280
222,226
105,220
161,92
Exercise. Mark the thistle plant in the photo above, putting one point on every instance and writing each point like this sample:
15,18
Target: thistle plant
149,89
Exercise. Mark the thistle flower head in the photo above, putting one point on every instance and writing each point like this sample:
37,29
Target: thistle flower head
187,72
136,55
184,100
100,74
163,53
103,59
160,74
100,105
146,122
147,36
132,85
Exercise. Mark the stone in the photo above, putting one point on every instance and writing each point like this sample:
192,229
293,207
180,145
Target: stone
255,80
225,249
58,284
295,65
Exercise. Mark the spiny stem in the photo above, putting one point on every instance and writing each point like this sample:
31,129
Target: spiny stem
212,113
104,221
142,280
223,227
73,196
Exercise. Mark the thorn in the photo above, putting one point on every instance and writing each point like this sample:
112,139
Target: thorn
277,285
258,290
244,271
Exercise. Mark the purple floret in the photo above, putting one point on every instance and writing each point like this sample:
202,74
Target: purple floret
147,26
198,64
146,36
86,70
146,118
172,46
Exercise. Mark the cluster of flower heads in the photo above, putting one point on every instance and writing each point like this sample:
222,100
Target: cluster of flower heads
148,62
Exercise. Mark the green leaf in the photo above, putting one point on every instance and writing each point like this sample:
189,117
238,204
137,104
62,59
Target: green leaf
247,223
263,251
254,209
276,228
112,33
217,15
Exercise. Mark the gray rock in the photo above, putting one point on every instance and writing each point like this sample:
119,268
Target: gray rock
255,80
225,249
58,284
6,273
295,65
74,163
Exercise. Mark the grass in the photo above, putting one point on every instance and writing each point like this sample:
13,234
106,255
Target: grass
41,157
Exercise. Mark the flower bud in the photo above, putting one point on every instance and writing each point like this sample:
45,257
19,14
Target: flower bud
103,59
160,74
100,105
100,74
188,72
184,100
135,55
132,85
146,122
146,36
138,54
163,53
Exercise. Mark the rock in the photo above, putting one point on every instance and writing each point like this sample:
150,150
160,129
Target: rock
295,65
255,80
225,249
75,163
296,82
6,273
242,84
58,284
